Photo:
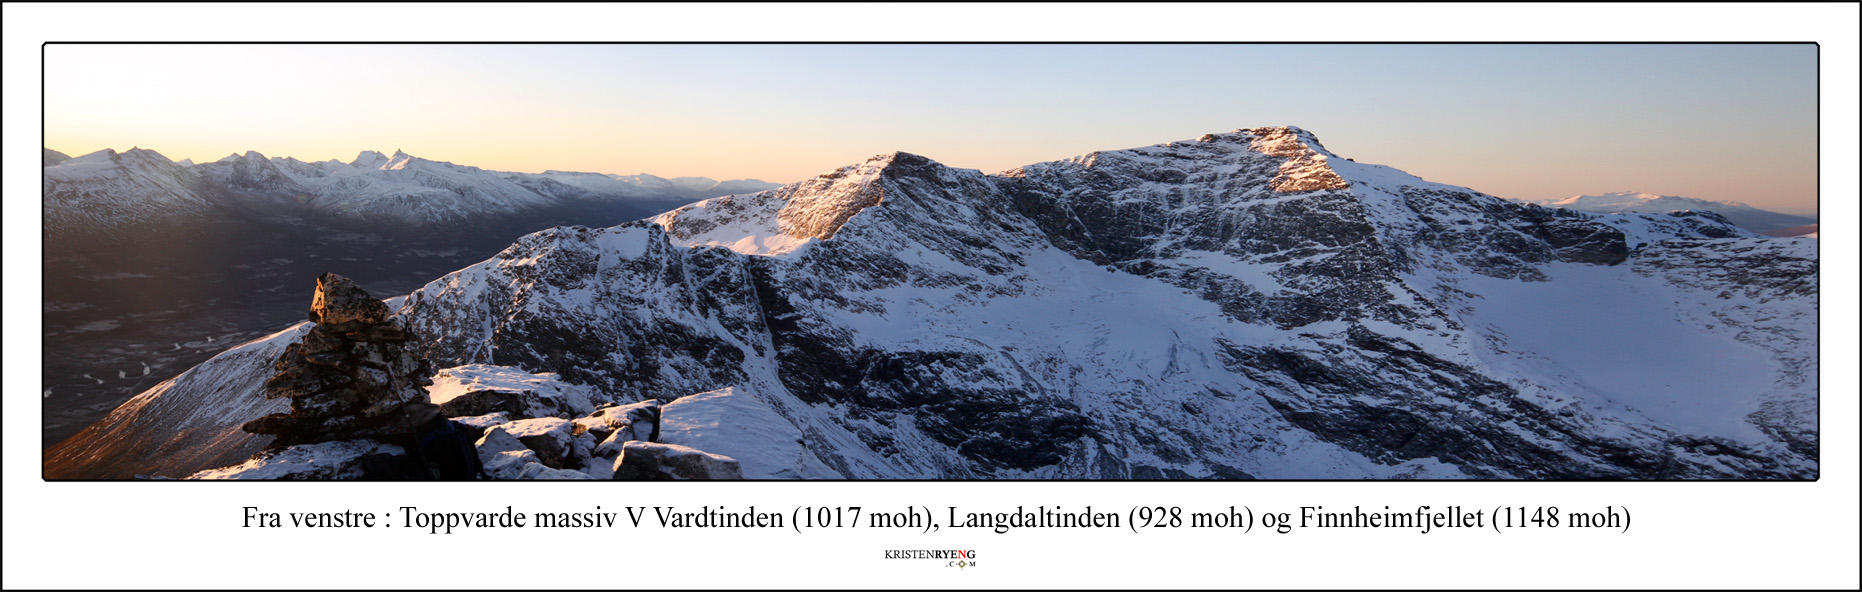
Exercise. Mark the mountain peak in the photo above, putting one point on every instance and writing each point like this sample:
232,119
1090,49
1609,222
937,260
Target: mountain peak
1305,169
902,164
137,152
370,159
399,161
248,156
104,155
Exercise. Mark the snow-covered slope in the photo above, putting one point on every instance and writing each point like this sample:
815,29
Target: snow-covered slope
185,424
136,188
1742,215
1244,305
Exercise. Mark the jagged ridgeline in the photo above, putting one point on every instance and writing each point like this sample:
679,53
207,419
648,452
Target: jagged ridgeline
1243,305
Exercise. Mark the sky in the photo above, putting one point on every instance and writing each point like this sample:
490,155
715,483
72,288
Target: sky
1721,122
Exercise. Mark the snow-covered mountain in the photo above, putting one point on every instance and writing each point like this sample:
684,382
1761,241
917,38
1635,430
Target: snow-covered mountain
107,190
1244,305
374,188
1741,215
695,187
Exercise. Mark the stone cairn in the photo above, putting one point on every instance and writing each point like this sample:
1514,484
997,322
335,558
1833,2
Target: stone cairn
354,376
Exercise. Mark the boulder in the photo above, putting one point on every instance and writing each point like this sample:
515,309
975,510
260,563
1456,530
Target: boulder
639,420
610,448
537,471
550,437
511,403
509,465
497,439
594,426
340,302
506,457
653,461
478,389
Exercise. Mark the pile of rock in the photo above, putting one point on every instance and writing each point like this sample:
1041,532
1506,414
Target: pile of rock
613,442
358,391
354,376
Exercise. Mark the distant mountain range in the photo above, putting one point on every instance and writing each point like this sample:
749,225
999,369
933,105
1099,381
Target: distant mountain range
1805,231
1742,215
109,190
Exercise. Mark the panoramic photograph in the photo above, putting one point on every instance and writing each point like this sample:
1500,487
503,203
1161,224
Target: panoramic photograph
970,262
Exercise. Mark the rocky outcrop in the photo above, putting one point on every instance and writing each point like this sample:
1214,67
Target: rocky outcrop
353,376
479,389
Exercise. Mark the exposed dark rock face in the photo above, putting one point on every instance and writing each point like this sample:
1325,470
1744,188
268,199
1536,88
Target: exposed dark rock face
352,377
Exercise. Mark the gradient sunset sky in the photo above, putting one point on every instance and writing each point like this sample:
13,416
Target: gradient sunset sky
1719,122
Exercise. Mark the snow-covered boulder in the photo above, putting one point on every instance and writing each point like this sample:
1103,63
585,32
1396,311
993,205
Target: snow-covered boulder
524,465
550,437
478,389
636,421
737,423
540,472
341,459
497,440
506,456
593,426
652,461
508,464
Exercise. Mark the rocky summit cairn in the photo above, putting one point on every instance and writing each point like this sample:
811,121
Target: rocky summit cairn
353,376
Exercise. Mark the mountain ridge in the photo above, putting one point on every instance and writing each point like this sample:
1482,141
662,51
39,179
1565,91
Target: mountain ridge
374,186
1244,305
1740,214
